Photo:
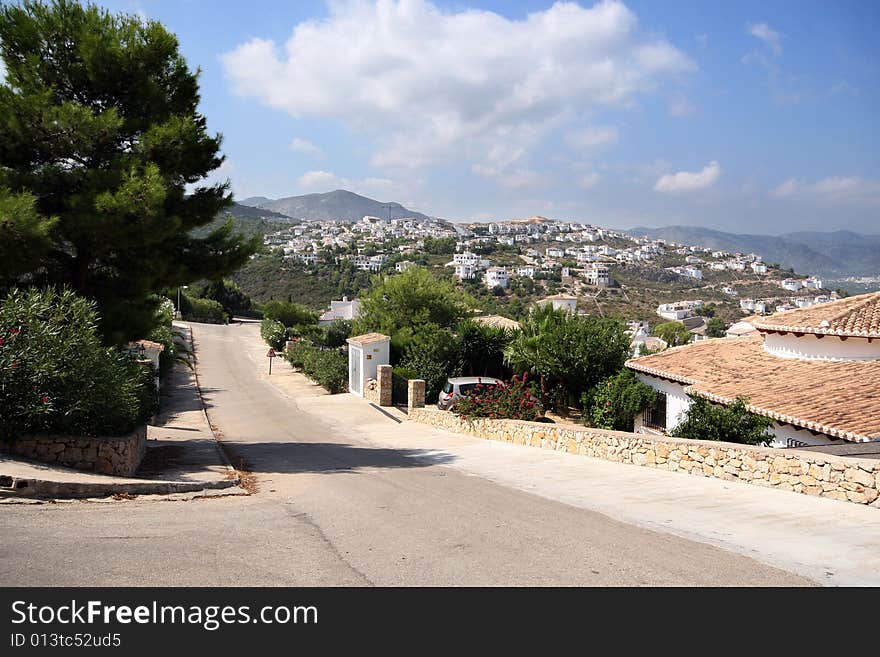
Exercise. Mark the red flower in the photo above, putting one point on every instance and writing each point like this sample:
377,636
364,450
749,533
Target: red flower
14,364
13,331
1,342
44,399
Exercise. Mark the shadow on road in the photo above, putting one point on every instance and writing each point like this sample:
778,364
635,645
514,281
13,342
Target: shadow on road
328,457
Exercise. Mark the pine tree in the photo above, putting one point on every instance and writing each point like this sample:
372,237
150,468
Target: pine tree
99,121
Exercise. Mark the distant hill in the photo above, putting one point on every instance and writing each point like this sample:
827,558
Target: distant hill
339,204
244,211
838,253
254,201
247,220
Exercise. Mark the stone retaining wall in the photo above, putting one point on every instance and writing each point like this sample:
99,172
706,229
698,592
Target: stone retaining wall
117,455
841,478
379,390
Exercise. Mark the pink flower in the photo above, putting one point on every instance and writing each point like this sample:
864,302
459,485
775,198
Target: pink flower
44,399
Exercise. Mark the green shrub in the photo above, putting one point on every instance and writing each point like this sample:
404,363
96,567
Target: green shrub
517,400
329,368
336,333
672,333
206,311
297,352
288,313
733,424
406,373
615,402
326,367
273,333
57,377
165,334
428,367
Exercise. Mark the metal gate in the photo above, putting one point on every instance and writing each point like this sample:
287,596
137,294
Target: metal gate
399,390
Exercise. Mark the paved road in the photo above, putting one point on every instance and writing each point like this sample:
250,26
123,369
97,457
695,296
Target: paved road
335,508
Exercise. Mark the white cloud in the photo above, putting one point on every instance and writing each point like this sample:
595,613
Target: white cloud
319,181
592,137
512,178
426,84
305,146
787,188
588,181
769,37
833,189
2,71
685,181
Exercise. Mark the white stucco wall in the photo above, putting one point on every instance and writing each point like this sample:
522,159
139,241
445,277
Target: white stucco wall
830,347
786,432
677,403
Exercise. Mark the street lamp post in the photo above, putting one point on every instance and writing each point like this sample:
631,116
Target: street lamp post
185,287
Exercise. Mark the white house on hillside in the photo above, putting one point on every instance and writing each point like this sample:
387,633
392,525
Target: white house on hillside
597,273
344,309
813,371
564,302
496,277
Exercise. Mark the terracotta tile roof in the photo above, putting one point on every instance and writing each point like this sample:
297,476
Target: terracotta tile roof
838,398
558,297
368,338
497,321
853,316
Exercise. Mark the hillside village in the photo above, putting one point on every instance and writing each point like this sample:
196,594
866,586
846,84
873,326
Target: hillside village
593,270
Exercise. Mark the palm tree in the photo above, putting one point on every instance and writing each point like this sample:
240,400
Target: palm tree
529,350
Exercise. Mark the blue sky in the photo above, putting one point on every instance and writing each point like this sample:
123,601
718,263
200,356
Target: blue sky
743,116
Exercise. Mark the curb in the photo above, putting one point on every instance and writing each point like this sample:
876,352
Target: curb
26,487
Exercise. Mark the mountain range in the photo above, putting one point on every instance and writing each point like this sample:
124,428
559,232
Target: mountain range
339,204
838,253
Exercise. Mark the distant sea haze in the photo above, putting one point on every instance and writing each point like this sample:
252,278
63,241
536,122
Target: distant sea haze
839,253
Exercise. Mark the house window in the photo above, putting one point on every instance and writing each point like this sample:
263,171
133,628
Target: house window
654,417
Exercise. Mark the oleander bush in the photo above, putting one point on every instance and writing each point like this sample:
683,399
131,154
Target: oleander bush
516,400
274,333
57,377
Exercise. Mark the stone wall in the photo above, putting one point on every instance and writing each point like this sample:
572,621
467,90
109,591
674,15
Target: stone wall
379,390
838,477
118,455
415,394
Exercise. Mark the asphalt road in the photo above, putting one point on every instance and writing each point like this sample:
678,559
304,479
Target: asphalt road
335,509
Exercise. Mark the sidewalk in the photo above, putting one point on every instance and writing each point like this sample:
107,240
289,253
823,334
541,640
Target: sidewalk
831,542
182,457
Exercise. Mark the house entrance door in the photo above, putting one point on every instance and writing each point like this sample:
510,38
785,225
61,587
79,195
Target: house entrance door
355,380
